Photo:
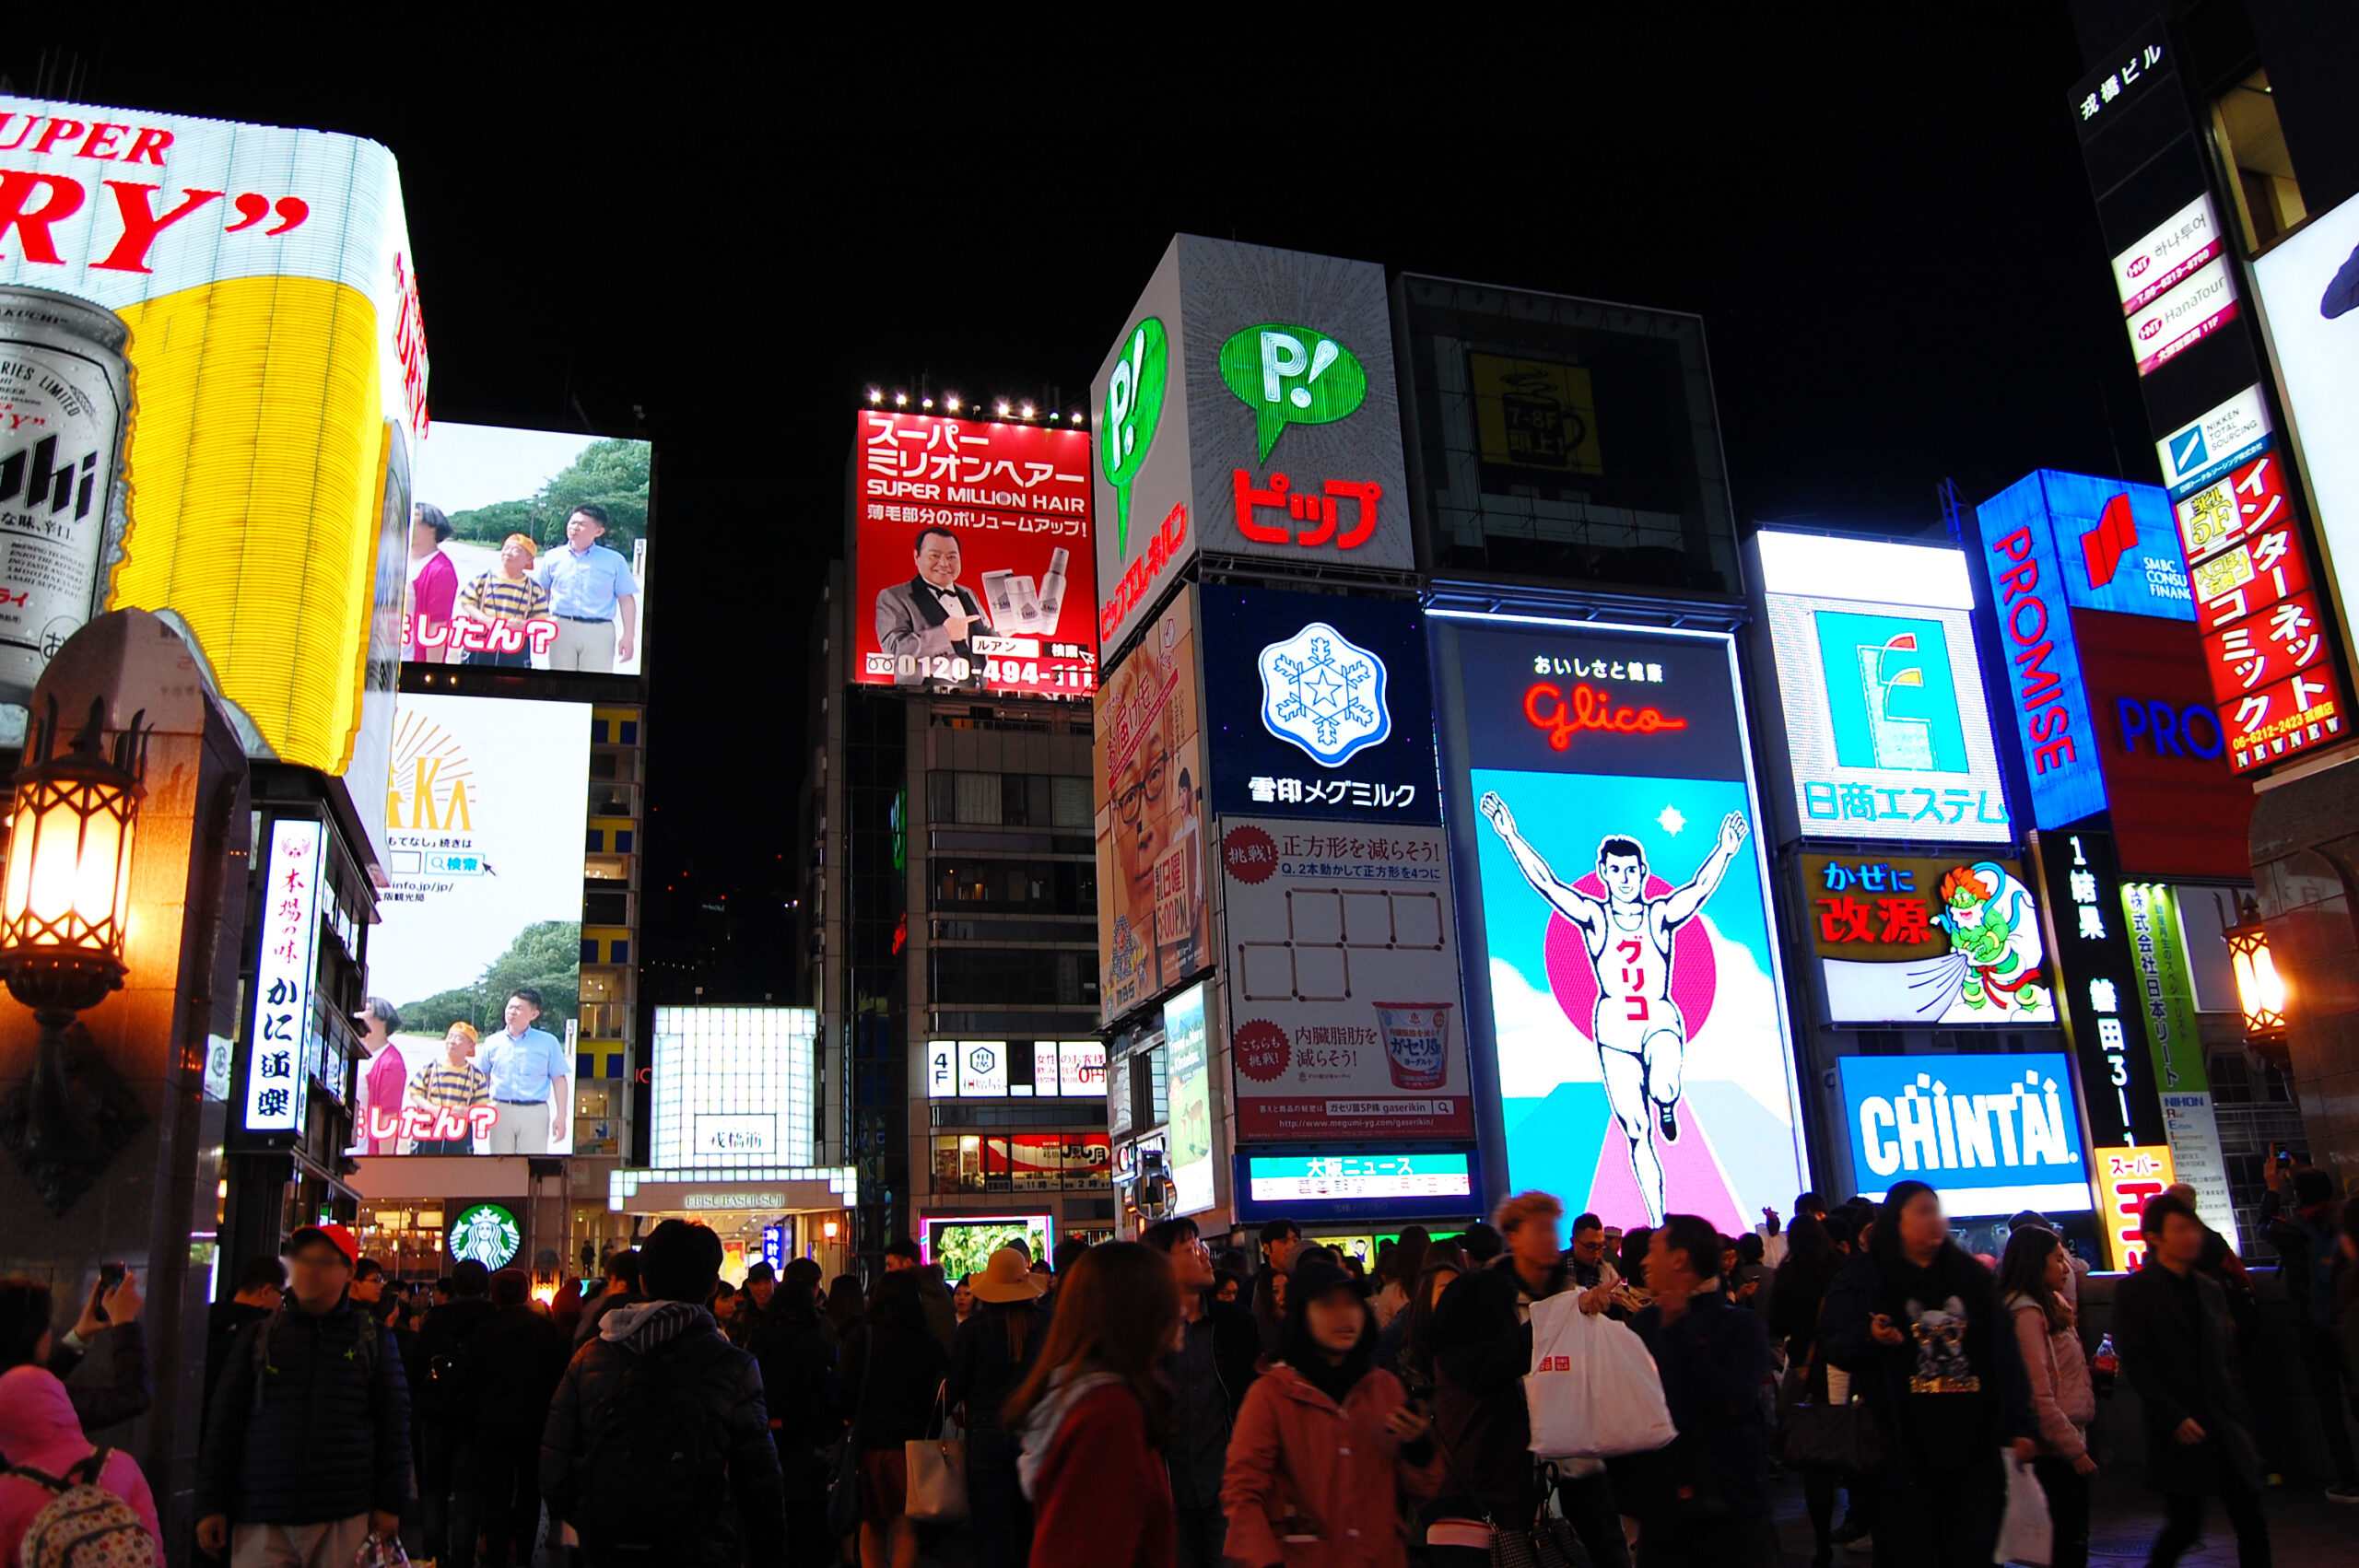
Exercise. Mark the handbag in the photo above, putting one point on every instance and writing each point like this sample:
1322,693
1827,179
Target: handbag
937,1471
843,1492
1548,1543
1824,1435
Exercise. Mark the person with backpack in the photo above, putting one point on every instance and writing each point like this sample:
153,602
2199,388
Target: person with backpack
442,1425
1326,1445
508,1369
657,1448
306,1453
892,1371
63,1502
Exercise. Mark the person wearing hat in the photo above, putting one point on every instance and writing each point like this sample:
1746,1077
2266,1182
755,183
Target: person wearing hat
994,1348
307,1452
1327,1445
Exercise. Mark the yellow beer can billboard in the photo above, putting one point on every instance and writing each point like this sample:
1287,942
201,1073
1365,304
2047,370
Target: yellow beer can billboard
212,371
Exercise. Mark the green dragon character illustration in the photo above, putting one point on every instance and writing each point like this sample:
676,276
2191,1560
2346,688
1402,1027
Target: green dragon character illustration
1990,918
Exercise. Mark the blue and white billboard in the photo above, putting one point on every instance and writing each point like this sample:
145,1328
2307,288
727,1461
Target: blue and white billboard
1991,1134
2047,700
1887,726
2117,543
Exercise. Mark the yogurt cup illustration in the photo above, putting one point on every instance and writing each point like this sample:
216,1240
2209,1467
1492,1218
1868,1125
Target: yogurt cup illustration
1416,1042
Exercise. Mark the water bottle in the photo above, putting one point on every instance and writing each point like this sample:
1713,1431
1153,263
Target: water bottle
2105,1366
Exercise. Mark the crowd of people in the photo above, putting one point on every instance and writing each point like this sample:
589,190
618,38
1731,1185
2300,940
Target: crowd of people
1158,1404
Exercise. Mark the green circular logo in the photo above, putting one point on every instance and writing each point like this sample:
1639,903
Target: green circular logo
1291,375
487,1235
1133,406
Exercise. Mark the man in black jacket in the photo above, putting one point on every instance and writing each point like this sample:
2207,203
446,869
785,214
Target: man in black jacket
442,1427
2171,1325
307,1451
1714,1359
659,1427
1219,1347
622,1290
508,1368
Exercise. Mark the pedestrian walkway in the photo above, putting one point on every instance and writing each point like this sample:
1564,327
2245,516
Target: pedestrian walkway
2303,1528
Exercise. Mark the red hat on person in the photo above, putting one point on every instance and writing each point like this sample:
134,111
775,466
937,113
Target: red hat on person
332,1233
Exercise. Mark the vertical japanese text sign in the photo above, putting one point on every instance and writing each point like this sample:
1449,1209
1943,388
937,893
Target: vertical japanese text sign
283,972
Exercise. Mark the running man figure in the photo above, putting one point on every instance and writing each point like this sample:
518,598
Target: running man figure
1640,1035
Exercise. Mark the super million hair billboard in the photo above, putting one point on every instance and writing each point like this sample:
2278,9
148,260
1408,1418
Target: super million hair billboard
213,369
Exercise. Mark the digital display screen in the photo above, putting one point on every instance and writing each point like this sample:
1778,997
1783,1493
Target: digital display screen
1312,1177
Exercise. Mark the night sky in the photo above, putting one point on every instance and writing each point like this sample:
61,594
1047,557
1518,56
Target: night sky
1884,223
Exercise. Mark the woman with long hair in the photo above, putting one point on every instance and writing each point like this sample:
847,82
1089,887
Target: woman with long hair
2032,1278
1915,1322
1405,1349
1326,1445
1094,1411
996,1347
846,1302
1795,1299
892,1368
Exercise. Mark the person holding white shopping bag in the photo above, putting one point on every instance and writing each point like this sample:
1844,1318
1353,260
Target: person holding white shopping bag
2032,1278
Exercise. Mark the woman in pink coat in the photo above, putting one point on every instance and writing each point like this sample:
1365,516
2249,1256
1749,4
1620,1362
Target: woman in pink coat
38,1432
1326,1446
2032,1278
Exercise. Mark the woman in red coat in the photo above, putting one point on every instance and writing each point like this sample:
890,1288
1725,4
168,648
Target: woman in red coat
1327,1445
1094,1412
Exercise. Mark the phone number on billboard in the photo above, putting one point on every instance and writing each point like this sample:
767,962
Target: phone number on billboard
1003,673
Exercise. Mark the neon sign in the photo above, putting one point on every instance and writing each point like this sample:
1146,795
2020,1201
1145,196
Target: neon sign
1290,375
1319,512
1588,709
1325,694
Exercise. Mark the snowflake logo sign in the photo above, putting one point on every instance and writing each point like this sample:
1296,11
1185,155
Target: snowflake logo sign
1324,693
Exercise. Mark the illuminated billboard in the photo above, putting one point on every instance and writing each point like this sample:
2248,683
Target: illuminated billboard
1342,982
1248,408
733,1086
2309,294
1318,705
1887,729
1378,1184
217,369
1991,1134
1628,976
487,815
1929,941
2268,637
1016,1068
1190,1045
1154,920
528,550
973,568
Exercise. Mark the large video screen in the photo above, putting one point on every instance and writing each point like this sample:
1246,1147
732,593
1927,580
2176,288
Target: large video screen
1629,980
480,948
974,570
528,551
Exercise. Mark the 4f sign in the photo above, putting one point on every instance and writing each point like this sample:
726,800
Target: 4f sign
1290,375
1133,406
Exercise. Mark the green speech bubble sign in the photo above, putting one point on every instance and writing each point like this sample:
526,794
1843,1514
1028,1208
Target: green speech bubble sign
1133,407
1290,375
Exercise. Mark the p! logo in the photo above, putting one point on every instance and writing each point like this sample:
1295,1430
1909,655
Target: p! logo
1133,406
1290,375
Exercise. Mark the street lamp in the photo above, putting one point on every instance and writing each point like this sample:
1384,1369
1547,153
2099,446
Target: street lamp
2261,992
65,912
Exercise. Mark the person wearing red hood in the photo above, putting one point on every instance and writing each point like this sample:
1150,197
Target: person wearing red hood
38,1432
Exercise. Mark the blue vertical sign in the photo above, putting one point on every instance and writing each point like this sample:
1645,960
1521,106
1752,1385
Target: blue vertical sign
2047,702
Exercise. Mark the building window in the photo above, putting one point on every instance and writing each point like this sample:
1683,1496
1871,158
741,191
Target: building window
2252,143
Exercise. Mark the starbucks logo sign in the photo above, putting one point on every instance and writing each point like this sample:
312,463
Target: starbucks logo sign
487,1235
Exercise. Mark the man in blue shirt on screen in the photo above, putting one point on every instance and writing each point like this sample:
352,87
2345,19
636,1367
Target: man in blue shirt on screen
593,595
527,1068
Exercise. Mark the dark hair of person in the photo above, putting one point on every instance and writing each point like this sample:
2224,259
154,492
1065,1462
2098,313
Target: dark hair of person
26,1307
367,1268
1633,1261
1586,1223
1841,1227
1807,1243
1070,1251
1274,1231
2161,1207
1300,1350
919,543
1482,1242
1445,1261
897,1303
2313,1186
1884,1239
442,1286
1806,1203
624,1266
845,1302
1750,1248
1164,1235
435,517
1117,1312
1696,1237
904,1249
803,1273
258,1272
469,1278
511,1287
2023,1270
680,1262
595,512
530,996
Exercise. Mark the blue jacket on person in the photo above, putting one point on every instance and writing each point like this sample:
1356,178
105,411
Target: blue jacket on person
310,1422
